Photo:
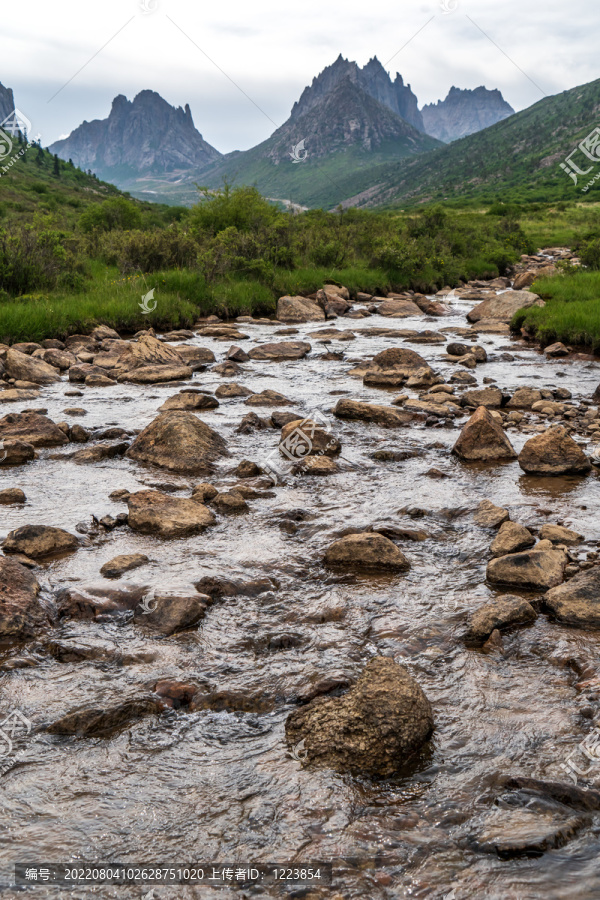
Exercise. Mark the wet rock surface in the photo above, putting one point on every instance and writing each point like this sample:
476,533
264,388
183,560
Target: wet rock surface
366,551
152,512
553,453
179,442
483,439
578,601
21,613
375,728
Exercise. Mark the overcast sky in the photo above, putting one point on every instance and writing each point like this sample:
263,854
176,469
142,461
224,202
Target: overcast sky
271,49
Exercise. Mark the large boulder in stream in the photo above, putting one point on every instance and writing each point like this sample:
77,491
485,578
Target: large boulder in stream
39,541
32,428
298,309
168,615
190,398
22,367
303,437
367,550
483,438
281,350
373,729
538,569
15,453
105,718
504,306
370,412
577,602
152,512
21,613
395,366
179,442
553,452
500,613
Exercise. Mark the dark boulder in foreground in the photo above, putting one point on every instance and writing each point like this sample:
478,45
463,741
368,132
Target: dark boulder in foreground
374,729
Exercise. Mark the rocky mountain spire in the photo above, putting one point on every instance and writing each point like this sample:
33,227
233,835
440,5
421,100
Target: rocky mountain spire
143,136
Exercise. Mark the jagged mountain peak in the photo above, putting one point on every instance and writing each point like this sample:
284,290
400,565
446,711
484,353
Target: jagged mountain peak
371,78
140,137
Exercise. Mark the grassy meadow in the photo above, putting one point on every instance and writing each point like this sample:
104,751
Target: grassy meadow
75,252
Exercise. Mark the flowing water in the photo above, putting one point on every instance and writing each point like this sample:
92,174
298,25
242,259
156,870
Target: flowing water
185,788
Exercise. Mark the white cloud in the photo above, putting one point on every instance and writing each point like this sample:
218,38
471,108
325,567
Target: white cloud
207,54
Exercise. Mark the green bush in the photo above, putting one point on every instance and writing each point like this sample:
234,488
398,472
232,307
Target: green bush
111,214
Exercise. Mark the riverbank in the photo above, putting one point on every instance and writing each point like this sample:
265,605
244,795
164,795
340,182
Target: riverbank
571,314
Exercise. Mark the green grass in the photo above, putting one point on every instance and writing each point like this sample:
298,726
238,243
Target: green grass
309,279
181,298
572,311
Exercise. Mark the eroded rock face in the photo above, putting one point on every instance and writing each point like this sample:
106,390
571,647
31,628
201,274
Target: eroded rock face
366,551
22,367
298,309
499,613
374,729
369,412
281,350
483,438
179,442
152,512
537,569
32,428
21,613
503,306
38,541
553,453
577,602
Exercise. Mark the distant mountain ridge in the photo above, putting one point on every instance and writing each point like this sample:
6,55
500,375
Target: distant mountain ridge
140,137
464,112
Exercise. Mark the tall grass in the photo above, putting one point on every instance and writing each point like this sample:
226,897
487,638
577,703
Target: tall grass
571,313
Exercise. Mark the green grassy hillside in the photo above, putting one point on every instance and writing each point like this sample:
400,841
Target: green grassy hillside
517,159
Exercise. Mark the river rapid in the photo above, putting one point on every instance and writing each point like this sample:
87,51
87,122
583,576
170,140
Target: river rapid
222,785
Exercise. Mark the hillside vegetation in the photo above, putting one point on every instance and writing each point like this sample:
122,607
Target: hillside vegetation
517,159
